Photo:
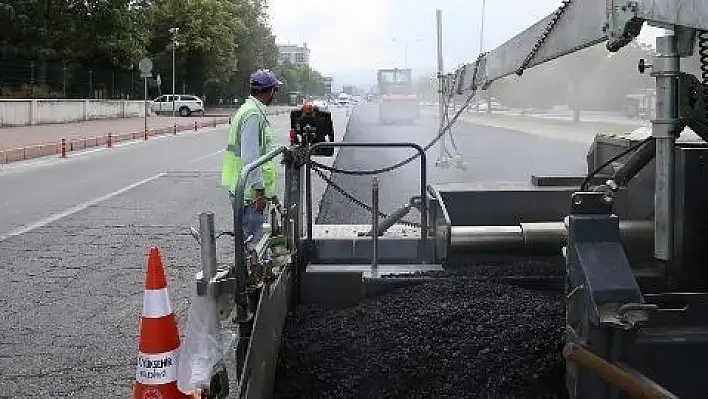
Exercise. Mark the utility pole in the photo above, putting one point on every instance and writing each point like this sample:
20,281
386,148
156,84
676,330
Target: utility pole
174,32
481,47
481,32
441,83
405,55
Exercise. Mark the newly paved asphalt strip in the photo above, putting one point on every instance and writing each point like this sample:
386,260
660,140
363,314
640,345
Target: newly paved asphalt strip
491,155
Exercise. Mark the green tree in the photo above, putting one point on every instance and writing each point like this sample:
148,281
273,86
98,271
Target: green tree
89,42
205,49
219,46
255,43
299,78
63,35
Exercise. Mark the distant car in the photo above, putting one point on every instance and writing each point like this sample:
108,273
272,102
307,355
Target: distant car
343,100
495,106
321,104
185,104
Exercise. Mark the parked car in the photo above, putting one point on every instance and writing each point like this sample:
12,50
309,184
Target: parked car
185,104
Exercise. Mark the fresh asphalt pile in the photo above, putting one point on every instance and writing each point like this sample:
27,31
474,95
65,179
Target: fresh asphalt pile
463,334
466,332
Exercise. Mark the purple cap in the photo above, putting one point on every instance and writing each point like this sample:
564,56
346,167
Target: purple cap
264,79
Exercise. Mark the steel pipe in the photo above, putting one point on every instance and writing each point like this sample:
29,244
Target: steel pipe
666,70
207,244
530,236
391,220
375,224
486,237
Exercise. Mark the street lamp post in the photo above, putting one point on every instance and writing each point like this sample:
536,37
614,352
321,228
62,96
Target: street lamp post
405,50
481,31
481,45
405,54
174,32
441,81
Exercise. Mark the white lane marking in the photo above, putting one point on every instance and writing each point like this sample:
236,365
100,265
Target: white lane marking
78,208
203,157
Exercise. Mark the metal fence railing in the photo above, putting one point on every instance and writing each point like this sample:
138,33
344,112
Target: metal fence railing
56,79
62,147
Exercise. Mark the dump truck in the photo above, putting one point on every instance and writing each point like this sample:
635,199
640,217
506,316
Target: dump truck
398,100
631,232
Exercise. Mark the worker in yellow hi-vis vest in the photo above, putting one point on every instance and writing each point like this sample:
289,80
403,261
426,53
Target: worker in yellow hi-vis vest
250,137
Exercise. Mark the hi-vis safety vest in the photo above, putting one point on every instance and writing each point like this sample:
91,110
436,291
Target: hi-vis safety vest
233,162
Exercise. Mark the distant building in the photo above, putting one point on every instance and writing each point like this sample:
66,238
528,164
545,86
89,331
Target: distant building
328,85
294,54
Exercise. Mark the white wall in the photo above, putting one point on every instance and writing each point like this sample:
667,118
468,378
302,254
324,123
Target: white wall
38,112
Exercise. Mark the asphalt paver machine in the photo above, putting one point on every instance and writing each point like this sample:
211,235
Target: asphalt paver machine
633,231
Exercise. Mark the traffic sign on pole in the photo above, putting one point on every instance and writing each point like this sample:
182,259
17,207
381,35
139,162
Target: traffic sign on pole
146,105
145,65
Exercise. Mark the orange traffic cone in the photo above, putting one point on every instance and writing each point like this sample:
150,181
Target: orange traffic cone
158,347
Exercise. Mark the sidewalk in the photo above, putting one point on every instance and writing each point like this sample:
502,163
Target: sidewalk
27,142
25,136
583,132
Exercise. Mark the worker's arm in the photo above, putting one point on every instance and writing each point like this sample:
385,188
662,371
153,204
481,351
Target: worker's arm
250,152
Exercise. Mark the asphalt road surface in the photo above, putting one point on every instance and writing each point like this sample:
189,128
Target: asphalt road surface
491,155
74,235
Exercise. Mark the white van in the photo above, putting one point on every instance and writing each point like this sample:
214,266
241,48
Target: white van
343,100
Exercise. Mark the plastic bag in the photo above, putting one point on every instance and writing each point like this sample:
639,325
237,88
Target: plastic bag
205,346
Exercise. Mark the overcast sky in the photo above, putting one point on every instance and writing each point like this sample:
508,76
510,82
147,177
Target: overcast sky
350,39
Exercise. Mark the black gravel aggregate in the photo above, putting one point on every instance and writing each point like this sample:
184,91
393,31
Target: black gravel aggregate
455,336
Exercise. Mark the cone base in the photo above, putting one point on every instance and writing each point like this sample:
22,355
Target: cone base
165,391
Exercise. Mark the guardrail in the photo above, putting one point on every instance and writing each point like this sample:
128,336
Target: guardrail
65,146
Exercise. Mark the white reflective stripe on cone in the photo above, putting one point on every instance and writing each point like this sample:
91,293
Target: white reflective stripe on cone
156,303
157,369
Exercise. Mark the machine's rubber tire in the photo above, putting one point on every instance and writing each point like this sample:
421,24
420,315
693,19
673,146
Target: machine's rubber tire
184,111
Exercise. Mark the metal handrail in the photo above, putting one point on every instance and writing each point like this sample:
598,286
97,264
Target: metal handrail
423,180
241,272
